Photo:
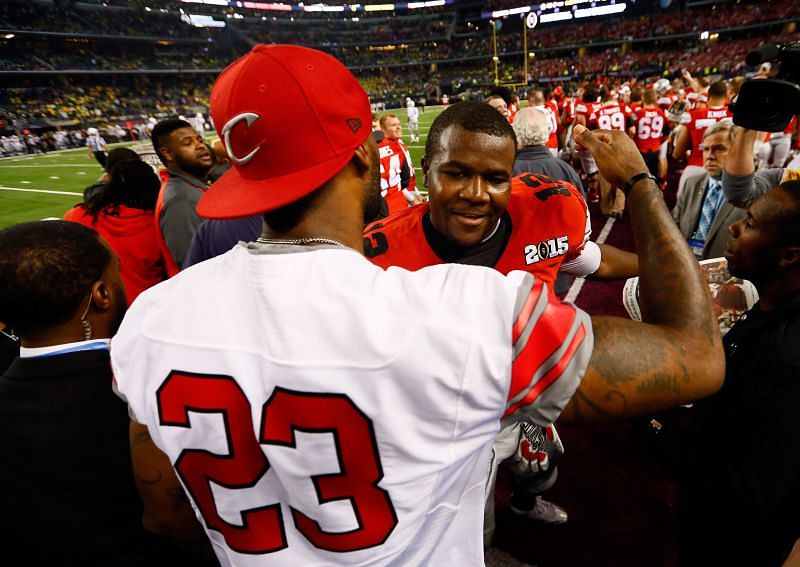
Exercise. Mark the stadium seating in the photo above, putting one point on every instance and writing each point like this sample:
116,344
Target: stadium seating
117,60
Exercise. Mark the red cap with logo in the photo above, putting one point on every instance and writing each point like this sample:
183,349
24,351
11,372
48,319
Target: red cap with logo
290,119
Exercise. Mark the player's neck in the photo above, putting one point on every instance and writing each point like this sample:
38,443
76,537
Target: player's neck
334,214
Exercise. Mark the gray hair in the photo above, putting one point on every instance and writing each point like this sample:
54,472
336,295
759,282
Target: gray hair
722,126
531,127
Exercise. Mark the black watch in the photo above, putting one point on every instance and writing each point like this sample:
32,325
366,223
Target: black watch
636,179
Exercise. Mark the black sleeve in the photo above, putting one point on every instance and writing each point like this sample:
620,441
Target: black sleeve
405,174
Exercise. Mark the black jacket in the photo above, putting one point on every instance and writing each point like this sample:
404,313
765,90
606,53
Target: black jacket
738,462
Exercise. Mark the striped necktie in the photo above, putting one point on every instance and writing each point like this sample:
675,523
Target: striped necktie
711,204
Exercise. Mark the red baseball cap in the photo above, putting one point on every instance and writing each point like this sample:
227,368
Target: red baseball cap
290,119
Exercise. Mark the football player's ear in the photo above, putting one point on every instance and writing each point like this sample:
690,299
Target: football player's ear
101,297
426,166
167,153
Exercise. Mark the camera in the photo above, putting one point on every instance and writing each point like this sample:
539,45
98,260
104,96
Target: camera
769,104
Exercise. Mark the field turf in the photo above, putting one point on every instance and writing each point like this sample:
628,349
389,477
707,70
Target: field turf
34,187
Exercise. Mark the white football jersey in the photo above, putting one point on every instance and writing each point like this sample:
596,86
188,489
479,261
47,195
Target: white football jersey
322,411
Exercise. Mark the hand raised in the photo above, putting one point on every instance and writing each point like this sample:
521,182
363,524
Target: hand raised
617,156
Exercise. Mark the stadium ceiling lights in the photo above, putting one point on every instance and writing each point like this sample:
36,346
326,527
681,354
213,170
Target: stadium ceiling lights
212,2
323,8
561,10
319,7
379,7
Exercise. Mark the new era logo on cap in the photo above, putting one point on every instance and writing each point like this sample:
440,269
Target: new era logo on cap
354,124
291,119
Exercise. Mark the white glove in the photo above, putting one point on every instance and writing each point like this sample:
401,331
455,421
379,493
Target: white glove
538,449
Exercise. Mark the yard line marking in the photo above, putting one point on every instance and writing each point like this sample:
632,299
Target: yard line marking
577,285
24,181
49,166
4,188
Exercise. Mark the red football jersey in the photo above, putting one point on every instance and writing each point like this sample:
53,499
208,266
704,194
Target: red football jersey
567,107
586,109
549,220
551,111
609,117
394,153
649,129
666,101
692,97
701,119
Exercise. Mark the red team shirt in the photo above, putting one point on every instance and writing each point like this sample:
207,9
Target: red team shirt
609,117
551,111
549,220
567,107
701,119
650,124
586,109
666,101
394,153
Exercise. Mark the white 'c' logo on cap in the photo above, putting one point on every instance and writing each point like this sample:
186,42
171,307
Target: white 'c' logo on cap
250,118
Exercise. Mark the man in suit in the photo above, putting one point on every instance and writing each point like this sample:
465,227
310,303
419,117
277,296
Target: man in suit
702,213
66,459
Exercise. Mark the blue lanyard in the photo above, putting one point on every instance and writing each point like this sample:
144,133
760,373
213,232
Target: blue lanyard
96,345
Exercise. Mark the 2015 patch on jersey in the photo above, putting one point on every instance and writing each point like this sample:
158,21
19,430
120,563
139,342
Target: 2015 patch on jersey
546,249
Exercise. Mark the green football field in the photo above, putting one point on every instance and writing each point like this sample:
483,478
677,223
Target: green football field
46,186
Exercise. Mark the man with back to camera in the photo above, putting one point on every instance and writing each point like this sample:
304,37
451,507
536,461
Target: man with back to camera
70,495
188,161
360,404
537,99
652,128
96,146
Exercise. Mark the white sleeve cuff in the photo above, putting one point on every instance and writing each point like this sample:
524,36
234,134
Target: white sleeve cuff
586,263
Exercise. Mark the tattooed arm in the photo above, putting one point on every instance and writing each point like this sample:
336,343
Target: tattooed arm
167,510
675,356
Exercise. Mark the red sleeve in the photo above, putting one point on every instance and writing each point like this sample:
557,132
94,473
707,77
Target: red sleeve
552,344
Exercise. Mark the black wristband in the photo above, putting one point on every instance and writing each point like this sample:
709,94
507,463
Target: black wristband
636,179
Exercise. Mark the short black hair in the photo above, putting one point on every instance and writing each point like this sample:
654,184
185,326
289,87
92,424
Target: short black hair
119,154
472,116
47,269
164,129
